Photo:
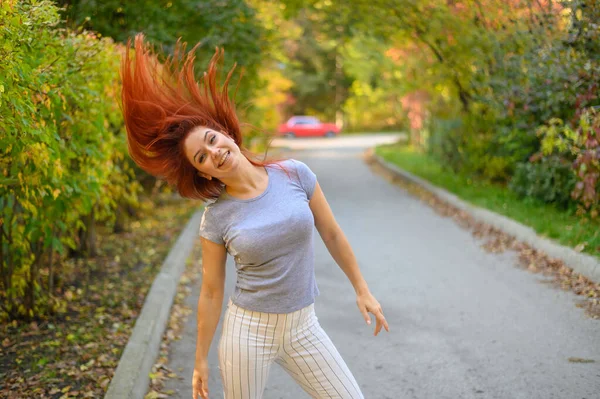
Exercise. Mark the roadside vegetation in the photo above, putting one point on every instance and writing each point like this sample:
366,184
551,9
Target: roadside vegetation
499,98
562,225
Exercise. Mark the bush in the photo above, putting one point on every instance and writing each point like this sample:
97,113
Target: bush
63,149
443,141
550,180
579,147
475,146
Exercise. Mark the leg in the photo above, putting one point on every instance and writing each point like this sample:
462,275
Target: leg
246,350
309,356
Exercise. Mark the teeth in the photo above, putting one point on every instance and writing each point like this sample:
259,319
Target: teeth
223,158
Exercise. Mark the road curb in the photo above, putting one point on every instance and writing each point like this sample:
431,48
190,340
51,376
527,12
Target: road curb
583,264
131,377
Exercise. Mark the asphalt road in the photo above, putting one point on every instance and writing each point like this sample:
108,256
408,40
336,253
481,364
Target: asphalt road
464,323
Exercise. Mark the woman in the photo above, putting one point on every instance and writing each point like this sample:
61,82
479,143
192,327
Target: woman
261,213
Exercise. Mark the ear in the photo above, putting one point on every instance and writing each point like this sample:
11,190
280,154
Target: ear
207,177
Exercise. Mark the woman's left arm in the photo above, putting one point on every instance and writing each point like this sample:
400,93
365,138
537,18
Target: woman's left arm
336,242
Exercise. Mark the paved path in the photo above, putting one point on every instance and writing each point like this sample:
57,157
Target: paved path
464,323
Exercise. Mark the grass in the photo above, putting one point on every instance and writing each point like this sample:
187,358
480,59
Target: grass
548,221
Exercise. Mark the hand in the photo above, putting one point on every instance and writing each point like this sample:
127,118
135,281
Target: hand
200,380
367,303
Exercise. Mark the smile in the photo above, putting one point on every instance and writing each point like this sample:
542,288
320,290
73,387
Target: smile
224,159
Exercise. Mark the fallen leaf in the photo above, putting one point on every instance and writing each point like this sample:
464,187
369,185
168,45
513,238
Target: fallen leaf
580,247
580,360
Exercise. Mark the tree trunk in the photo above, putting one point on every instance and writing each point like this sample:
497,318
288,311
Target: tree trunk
30,298
87,238
120,219
92,249
51,271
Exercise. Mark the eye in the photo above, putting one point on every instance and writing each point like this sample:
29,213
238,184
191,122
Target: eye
212,139
201,159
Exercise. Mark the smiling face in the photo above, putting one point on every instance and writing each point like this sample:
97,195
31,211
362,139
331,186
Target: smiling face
211,152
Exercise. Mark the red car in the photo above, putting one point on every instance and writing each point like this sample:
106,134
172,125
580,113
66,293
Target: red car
304,126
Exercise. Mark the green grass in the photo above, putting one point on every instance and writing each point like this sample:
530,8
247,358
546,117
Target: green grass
548,221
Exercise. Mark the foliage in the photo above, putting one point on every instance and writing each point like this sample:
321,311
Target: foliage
211,23
581,146
372,109
272,85
375,98
549,180
63,147
474,146
320,85
500,68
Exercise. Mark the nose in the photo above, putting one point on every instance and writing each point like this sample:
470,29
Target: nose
215,154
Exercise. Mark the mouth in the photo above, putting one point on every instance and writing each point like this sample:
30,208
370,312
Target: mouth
224,158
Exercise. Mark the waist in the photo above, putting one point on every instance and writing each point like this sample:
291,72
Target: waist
304,314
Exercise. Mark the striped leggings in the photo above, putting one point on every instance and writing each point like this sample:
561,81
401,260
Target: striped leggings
252,341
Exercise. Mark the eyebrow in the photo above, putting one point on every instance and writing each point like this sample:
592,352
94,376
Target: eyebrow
205,134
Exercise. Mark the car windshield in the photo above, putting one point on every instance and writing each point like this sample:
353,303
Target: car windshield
304,121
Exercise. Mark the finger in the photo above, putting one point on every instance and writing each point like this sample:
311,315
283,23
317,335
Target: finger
381,322
202,391
365,315
377,325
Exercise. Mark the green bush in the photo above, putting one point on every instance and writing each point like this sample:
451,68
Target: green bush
63,149
444,140
520,77
550,180
581,145
567,169
475,146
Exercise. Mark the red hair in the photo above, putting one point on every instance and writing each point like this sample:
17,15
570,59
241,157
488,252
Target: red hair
162,103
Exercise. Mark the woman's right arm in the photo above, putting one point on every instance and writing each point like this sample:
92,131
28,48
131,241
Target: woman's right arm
210,304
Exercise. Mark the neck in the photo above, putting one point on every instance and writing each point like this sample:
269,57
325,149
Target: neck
247,180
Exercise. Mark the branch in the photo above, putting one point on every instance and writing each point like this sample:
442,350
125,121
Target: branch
481,14
49,65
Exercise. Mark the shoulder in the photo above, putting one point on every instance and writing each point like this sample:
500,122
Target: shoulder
215,206
293,165
209,210
211,226
286,163
301,174
215,215
294,169
287,167
212,203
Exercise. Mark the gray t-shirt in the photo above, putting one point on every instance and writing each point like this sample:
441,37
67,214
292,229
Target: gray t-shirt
271,240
